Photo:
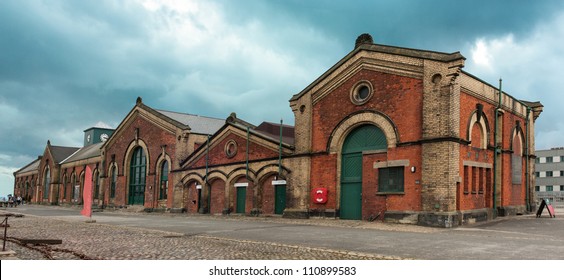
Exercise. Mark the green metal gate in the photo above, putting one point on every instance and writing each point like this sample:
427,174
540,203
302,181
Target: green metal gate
241,198
279,199
363,138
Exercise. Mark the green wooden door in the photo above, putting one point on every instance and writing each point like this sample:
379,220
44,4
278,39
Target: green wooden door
363,138
241,198
279,199
137,178
351,186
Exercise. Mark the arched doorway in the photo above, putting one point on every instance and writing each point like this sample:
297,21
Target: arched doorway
362,138
137,177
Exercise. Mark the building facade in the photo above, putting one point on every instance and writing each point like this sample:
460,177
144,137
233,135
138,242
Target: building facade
405,135
387,133
549,175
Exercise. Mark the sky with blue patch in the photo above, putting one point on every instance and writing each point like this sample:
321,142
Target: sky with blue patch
66,66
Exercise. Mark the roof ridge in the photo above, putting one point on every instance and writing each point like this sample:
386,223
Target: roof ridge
187,114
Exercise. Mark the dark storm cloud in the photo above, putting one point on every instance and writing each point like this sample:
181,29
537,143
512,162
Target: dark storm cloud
417,24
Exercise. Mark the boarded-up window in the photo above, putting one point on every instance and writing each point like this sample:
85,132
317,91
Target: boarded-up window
516,161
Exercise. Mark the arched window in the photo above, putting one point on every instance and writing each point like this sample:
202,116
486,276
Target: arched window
113,182
477,137
164,181
81,190
64,187
74,192
517,160
97,185
27,190
137,177
46,182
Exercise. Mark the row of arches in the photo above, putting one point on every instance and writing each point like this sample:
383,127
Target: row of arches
240,191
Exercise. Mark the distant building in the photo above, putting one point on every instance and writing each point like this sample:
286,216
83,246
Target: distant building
549,175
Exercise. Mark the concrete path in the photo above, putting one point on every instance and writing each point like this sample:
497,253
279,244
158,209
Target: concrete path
124,235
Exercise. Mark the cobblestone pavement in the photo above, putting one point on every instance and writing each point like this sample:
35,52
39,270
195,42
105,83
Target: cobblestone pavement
82,240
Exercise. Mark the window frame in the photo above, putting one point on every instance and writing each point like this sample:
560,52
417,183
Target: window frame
385,173
163,182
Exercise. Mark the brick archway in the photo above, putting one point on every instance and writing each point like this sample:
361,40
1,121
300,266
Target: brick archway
344,128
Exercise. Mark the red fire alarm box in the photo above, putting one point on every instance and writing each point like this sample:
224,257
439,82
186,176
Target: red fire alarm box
320,195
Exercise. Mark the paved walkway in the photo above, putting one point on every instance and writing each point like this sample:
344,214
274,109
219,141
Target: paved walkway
82,240
142,236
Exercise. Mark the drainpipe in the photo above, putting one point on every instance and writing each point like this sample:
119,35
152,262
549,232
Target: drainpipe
206,181
247,156
280,152
527,183
496,148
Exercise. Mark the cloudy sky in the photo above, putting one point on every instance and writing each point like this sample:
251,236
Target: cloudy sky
66,66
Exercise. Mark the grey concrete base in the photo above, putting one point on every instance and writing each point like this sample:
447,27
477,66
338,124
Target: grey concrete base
177,210
475,216
296,213
438,219
324,213
511,210
401,217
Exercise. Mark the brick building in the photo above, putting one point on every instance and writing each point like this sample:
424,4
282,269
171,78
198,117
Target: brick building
26,180
239,169
146,146
57,176
405,135
387,133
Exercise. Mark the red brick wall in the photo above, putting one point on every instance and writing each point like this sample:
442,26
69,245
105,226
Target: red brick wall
510,194
400,99
267,198
154,137
217,154
217,196
411,199
324,175
190,199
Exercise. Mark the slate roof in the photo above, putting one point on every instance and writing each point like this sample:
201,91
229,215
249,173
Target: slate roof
87,152
272,130
32,166
60,153
197,124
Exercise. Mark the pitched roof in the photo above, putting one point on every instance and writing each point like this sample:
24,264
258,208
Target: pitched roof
272,130
393,50
87,152
32,166
60,153
197,124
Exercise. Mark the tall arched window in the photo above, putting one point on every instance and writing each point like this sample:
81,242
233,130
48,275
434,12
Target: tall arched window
113,182
46,182
81,190
517,160
74,194
97,185
64,187
137,177
164,181
27,191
